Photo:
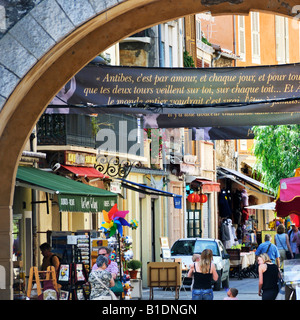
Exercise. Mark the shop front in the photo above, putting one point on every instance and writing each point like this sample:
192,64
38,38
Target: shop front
242,221
61,205
201,207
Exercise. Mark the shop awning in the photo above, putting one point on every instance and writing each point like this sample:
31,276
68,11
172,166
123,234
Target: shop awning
207,185
289,197
152,191
146,189
84,171
240,177
263,206
72,195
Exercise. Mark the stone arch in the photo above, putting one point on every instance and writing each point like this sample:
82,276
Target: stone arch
49,44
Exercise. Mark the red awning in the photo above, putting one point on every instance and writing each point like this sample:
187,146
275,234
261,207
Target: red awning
84,171
208,186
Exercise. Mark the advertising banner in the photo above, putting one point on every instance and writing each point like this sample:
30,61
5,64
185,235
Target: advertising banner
186,97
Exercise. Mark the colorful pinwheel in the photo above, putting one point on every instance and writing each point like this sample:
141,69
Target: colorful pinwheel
114,220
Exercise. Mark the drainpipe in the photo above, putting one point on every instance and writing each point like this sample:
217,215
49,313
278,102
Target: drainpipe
160,48
234,38
34,211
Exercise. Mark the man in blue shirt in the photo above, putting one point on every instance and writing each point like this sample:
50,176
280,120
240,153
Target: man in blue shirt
270,249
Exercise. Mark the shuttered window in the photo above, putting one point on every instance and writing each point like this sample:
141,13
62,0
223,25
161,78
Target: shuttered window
241,37
255,37
282,39
198,30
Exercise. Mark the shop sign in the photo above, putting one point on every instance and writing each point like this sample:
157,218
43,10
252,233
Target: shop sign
76,203
80,159
177,202
115,187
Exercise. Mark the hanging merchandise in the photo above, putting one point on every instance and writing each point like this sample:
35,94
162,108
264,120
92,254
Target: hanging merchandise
80,274
127,287
114,221
224,207
245,198
64,274
245,215
134,224
230,238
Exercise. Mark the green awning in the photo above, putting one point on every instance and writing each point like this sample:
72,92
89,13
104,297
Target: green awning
72,195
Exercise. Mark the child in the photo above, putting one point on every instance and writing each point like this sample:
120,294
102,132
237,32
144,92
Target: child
231,294
195,258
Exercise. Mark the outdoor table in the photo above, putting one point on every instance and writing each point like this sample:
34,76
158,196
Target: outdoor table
247,259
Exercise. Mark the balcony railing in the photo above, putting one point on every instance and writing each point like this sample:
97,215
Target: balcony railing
60,129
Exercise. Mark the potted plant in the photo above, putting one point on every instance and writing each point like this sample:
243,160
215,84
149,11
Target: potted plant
133,265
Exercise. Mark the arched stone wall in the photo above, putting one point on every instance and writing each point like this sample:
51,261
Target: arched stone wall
50,42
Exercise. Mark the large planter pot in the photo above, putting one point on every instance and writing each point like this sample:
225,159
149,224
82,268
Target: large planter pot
133,274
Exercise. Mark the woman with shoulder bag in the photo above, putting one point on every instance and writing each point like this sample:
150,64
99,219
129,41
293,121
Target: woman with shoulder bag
100,281
283,244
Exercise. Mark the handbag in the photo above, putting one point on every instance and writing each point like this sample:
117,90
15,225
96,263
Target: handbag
112,295
118,287
288,255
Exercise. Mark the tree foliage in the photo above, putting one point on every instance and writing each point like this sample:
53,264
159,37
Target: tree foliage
277,152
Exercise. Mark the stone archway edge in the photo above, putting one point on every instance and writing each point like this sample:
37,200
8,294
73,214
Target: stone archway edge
50,43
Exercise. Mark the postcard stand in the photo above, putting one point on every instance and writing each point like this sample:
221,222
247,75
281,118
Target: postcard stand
72,277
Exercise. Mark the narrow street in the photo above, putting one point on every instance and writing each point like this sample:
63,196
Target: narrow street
247,288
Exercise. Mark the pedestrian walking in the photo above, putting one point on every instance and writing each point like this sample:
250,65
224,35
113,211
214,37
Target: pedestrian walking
294,238
268,276
269,248
203,272
283,245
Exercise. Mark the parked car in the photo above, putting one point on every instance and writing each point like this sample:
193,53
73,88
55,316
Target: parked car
185,248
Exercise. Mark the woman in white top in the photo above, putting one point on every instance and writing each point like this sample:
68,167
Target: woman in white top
283,244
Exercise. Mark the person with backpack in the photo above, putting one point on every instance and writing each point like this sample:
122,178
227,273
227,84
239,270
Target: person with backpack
50,259
269,248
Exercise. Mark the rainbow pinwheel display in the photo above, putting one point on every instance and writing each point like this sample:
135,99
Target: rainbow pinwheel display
114,220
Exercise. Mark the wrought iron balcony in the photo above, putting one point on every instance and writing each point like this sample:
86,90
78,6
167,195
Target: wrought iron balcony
60,129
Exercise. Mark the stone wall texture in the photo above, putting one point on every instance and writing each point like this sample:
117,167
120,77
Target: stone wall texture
29,29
